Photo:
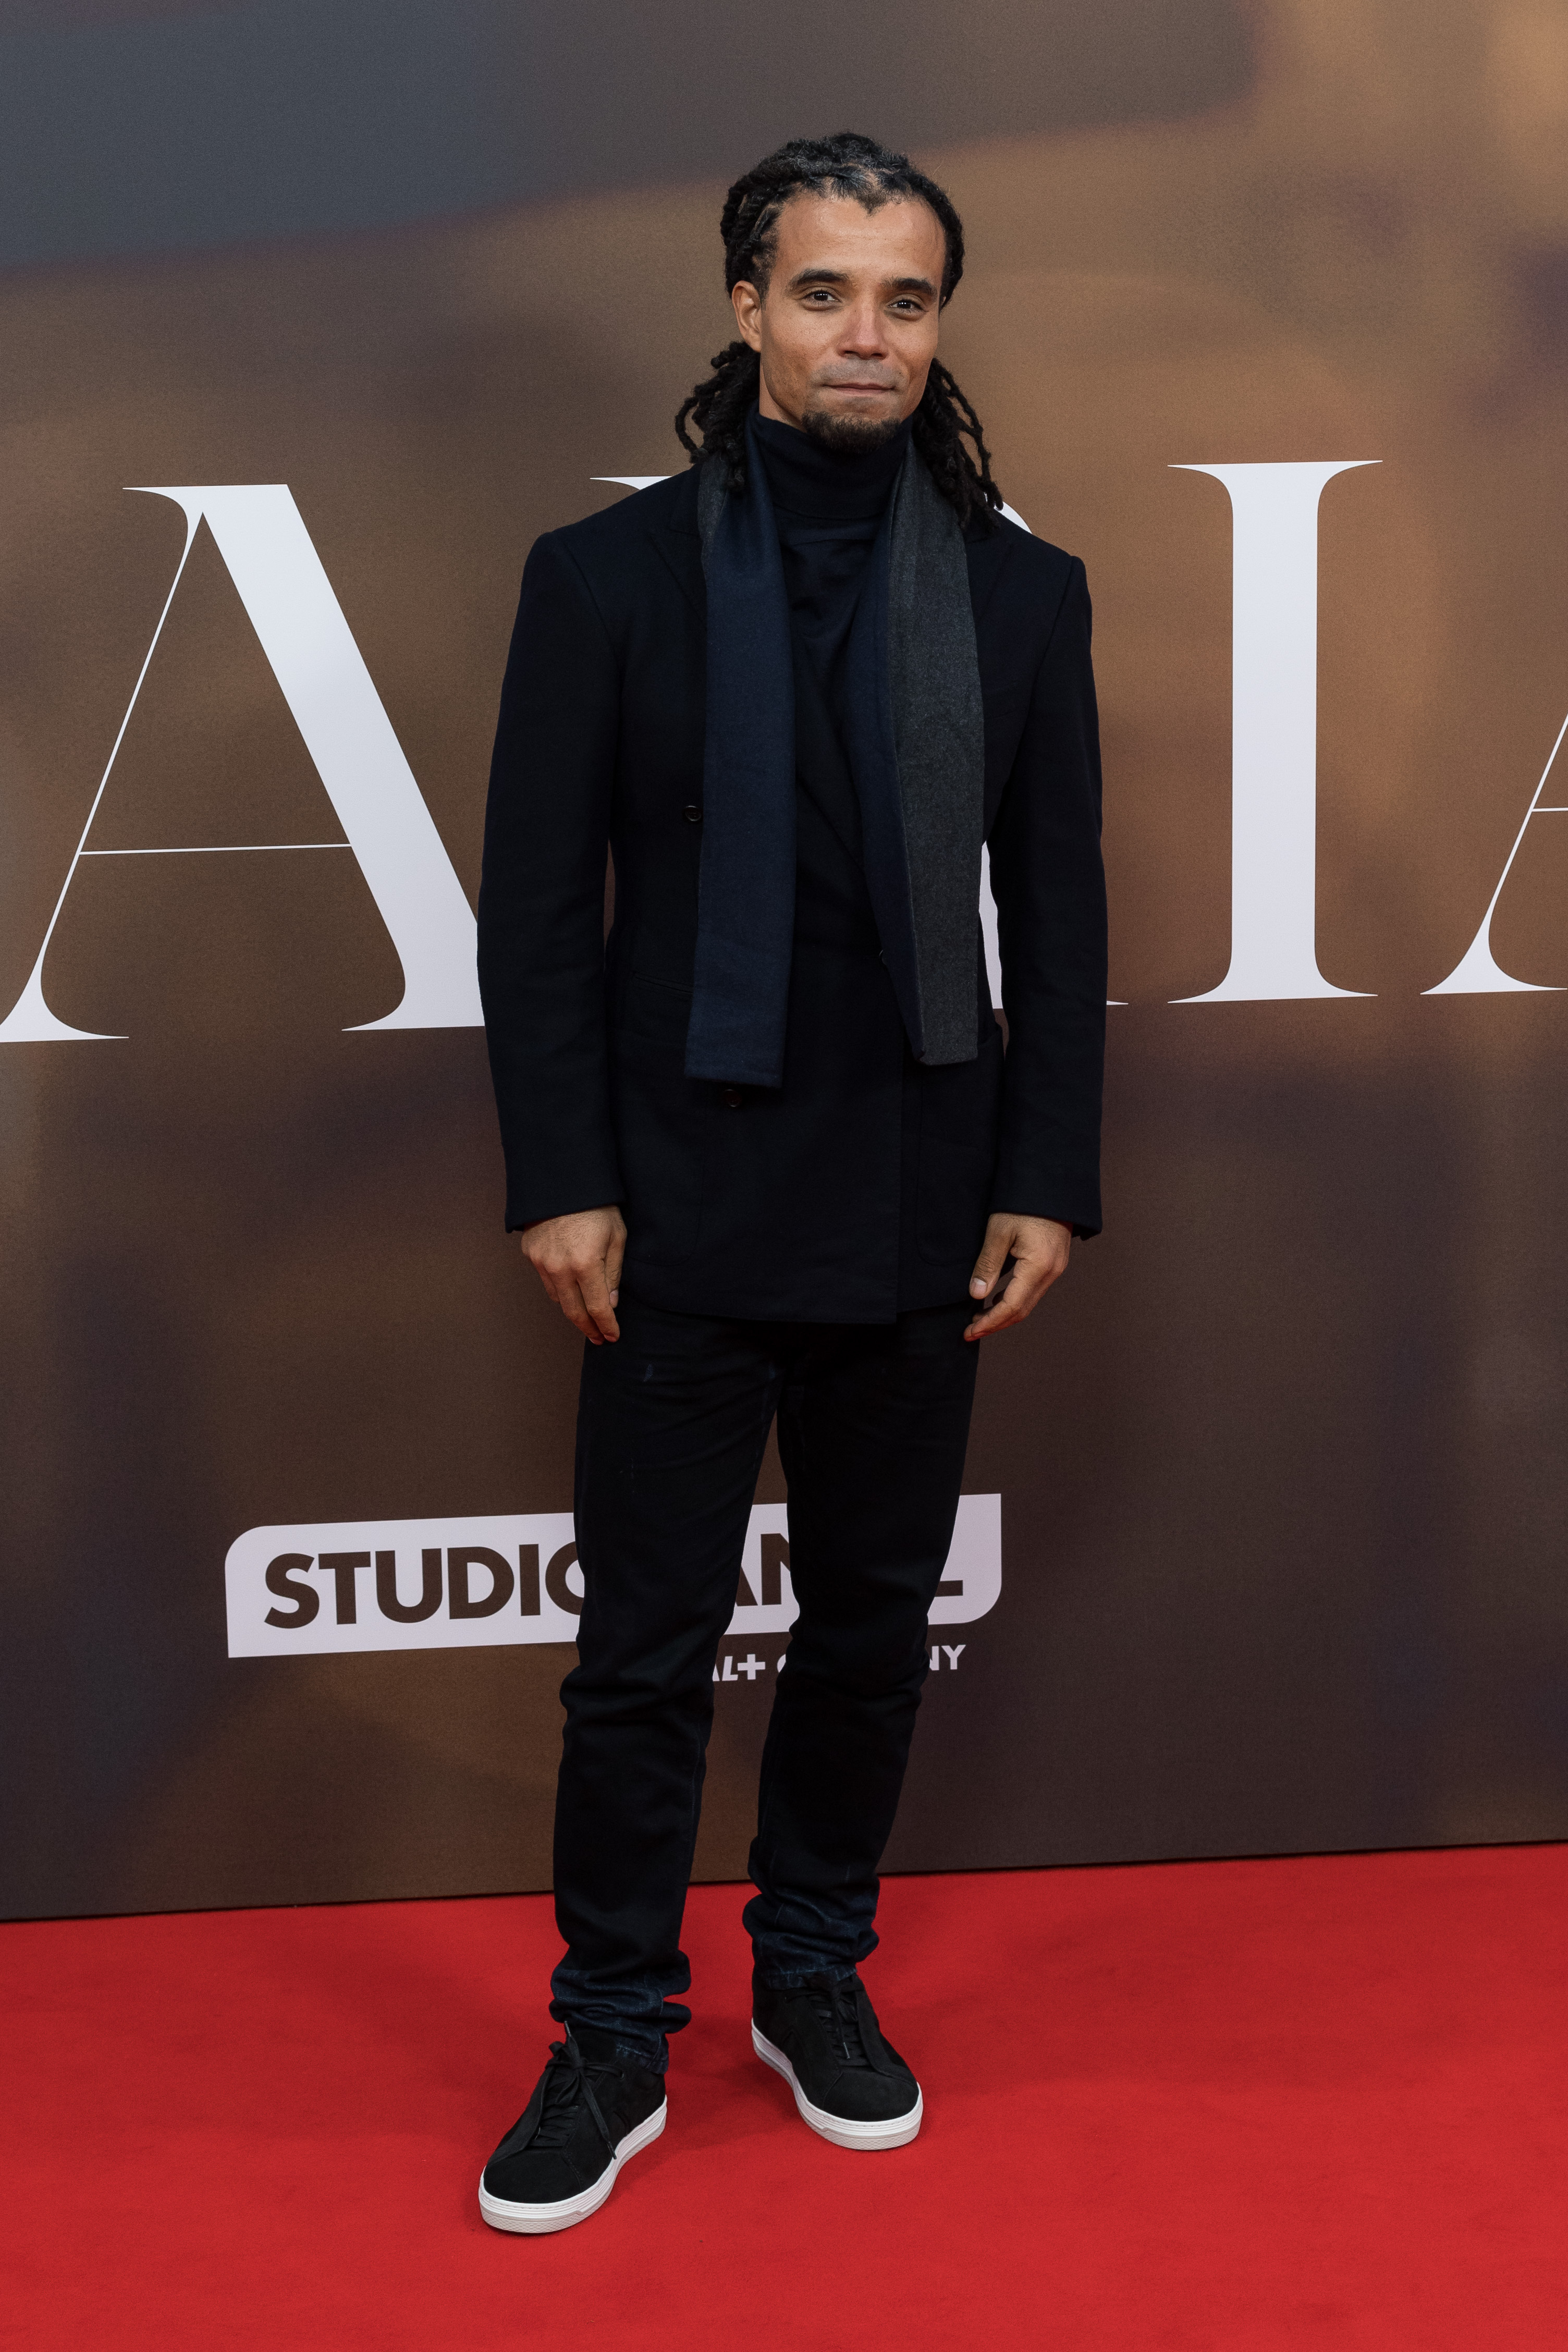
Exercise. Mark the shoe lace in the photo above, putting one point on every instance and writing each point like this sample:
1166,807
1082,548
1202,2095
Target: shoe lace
566,2088
838,2007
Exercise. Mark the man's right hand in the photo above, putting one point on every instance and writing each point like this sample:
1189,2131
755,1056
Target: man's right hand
578,1260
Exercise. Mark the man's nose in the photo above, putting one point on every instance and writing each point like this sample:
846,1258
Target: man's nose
863,332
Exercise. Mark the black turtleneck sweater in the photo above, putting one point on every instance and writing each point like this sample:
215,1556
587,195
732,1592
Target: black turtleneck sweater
829,510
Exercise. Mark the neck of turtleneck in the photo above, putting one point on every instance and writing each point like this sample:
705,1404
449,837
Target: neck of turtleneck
828,484
828,511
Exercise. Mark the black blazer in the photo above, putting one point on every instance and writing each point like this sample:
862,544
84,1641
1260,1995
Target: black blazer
861,1188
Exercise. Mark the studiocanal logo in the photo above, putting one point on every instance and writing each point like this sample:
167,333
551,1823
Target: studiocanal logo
454,1584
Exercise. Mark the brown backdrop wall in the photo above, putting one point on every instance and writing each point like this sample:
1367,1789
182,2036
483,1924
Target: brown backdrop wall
1281,1463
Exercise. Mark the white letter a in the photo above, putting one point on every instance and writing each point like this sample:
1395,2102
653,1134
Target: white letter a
264,542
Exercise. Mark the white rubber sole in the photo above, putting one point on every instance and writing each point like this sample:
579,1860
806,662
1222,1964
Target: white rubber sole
535,2220
840,2129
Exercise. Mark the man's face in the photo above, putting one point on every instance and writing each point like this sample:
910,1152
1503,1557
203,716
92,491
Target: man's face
847,328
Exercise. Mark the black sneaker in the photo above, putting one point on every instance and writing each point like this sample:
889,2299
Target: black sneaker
590,2111
849,2084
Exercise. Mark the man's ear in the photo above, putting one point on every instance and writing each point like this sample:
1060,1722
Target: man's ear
748,304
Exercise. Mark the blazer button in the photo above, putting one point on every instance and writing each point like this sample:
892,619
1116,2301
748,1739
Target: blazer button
691,813
732,1098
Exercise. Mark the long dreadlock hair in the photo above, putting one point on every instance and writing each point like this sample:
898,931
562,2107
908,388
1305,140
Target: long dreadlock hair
843,165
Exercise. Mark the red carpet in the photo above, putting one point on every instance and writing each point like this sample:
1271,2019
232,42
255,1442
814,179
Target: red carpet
1219,2104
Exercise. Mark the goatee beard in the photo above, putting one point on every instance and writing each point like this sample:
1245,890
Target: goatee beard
849,437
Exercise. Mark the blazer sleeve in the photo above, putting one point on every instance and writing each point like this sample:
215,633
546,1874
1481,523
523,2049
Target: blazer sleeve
1049,882
541,897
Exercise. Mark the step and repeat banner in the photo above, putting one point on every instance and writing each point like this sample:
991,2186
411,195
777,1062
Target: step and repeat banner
311,318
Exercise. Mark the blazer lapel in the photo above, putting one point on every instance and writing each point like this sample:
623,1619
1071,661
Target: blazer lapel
678,544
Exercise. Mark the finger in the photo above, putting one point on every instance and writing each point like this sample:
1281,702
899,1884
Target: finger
560,1289
614,1257
569,1298
1025,1290
594,1292
546,1280
989,1264
996,1318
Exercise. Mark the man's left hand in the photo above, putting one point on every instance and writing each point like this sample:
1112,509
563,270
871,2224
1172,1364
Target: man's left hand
1039,1248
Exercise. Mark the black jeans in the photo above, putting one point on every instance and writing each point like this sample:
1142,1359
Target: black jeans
672,1421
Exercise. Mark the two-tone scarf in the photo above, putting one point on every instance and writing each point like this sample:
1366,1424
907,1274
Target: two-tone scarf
915,741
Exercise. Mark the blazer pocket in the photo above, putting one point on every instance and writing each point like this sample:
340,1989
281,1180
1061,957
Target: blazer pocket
656,1010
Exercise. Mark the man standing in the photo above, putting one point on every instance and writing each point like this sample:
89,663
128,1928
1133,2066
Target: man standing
763,1147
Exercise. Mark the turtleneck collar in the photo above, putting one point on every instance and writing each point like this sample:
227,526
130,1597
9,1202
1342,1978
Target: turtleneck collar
807,480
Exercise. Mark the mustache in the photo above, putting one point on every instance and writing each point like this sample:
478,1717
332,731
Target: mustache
862,377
